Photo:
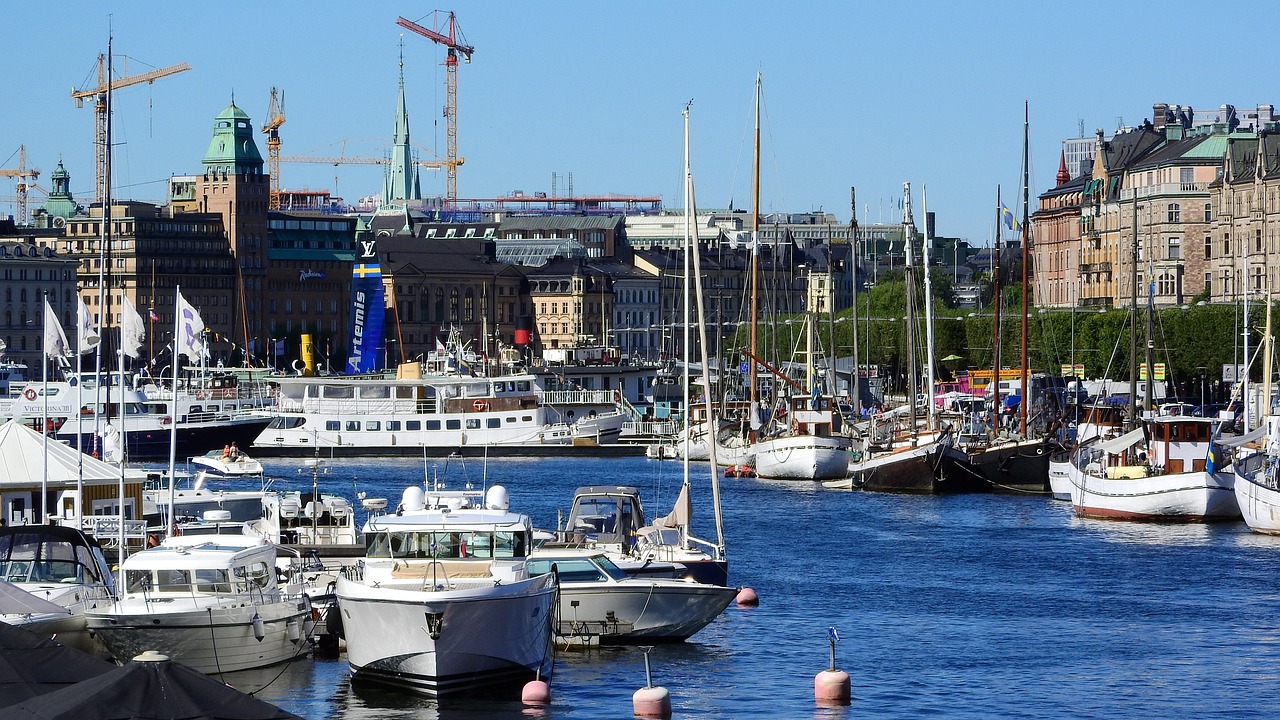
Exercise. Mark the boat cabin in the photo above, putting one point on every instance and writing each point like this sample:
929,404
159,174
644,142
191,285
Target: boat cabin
605,514
52,554
813,416
1179,443
212,566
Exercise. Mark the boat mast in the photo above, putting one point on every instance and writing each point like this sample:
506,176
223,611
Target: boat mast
684,350
853,258
1133,324
995,323
755,255
928,313
1024,400
713,423
908,232
1267,339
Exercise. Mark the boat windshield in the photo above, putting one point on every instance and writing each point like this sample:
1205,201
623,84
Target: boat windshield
241,509
571,570
456,544
36,557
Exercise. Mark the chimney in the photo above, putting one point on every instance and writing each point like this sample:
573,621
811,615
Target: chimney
1159,114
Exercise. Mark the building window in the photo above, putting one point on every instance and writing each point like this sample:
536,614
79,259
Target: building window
453,304
1208,283
1226,244
469,306
1208,246
439,304
1208,212
1175,247
1257,240
1175,212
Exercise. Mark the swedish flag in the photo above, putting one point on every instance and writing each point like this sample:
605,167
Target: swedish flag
1007,216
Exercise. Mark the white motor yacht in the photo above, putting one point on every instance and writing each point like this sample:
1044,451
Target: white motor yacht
212,603
601,603
228,463
443,603
63,566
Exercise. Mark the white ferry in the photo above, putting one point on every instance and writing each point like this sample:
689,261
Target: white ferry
435,415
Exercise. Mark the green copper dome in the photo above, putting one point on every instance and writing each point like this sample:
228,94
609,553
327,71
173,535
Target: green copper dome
232,149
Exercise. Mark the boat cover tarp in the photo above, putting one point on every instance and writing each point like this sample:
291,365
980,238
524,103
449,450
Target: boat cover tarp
16,601
147,690
1122,443
1237,441
31,665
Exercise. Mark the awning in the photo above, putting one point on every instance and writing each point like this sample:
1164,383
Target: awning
1122,443
1238,440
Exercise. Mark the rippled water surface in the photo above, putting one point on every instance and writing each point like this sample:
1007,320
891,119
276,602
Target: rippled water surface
952,607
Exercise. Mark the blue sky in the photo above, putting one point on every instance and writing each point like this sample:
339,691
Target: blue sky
855,93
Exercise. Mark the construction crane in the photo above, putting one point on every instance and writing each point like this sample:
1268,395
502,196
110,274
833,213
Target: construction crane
342,158
275,118
22,173
447,35
100,109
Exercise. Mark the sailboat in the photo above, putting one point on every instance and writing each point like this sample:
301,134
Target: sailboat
905,460
1164,469
1019,462
801,440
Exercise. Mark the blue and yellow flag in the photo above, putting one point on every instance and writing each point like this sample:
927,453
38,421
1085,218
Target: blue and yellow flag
1007,216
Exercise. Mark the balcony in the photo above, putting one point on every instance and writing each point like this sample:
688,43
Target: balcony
1177,188
1104,266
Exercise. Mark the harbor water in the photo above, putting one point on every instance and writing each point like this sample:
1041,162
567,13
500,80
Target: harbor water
967,606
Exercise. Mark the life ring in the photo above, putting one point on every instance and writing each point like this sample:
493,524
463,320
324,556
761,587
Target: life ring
480,406
202,395
29,393
617,396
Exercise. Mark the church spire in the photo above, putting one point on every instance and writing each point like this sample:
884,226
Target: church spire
402,175
1063,176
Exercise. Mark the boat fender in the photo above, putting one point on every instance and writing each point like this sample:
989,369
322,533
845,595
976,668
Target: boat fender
259,628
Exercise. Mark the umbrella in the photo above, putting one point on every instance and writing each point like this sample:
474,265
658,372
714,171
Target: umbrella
151,687
31,665
952,358
16,601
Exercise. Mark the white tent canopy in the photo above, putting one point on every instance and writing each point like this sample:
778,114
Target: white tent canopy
22,461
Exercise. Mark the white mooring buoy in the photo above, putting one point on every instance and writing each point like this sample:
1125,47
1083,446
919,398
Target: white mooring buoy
650,701
831,686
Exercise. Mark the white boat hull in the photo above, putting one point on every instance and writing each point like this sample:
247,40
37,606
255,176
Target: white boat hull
1258,495
1060,479
1176,497
802,457
213,638
635,610
450,641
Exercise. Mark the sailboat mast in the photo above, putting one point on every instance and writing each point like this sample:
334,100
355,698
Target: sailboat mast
713,422
908,233
853,258
755,249
1024,401
928,311
995,322
689,248
1133,325
1268,341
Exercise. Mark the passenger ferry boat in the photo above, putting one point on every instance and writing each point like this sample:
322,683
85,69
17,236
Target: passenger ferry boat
435,415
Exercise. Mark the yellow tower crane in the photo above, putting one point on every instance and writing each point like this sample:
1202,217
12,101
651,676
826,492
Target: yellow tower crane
446,33
22,173
271,128
100,109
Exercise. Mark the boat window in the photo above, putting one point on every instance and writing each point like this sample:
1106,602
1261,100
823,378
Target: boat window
332,425
312,391
212,580
196,409
373,425
353,425
137,581
453,424
284,422
473,423
339,391
405,392
526,418
613,571
477,390
413,425
452,391
478,544
211,408
255,574
509,544
172,581
393,426
375,392
569,569
494,422
522,385
241,509
510,419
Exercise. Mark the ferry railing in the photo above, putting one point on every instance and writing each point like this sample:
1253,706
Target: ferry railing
576,397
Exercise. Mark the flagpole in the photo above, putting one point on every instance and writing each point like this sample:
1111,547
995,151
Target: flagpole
44,422
79,412
124,444
173,407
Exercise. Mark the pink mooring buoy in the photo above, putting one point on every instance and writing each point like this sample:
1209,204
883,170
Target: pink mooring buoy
536,693
831,686
747,597
650,701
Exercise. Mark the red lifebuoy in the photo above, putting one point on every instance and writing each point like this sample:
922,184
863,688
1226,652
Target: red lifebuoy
480,406
29,393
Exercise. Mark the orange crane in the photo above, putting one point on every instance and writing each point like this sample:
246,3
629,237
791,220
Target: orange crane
342,158
100,108
447,34
275,118
22,173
